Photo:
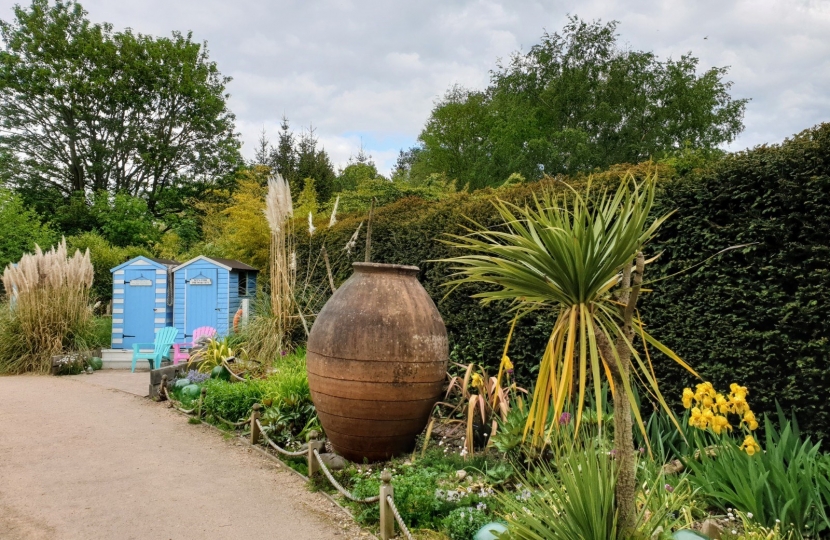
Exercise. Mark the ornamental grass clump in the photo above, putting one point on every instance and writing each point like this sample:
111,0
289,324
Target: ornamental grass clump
269,331
47,310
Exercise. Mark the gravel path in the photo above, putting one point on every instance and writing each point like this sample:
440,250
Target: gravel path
81,461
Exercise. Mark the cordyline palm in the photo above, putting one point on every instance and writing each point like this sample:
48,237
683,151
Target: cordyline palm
582,257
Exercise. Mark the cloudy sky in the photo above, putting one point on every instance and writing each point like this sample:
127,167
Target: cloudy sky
370,71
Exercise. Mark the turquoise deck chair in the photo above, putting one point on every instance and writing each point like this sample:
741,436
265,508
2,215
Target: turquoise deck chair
161,347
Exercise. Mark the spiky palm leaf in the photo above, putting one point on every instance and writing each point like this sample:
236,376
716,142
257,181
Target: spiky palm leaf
567,252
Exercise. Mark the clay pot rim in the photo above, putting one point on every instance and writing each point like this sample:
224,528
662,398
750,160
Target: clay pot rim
381,268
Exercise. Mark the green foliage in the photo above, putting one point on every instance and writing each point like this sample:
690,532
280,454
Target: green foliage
572,497
427,489
414,497
215,353
100,335
20,229
565,253
284,393
234,223
307,201
124,220
575,503
259,336
574,102
357,172
788,481
104,256
131,113
298,158
385,192
510,432
463,523
232,401
759,314
289,413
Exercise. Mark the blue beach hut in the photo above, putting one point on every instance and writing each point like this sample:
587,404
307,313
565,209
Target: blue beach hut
208,292
142,300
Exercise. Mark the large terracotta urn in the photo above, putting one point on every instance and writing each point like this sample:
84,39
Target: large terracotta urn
377,361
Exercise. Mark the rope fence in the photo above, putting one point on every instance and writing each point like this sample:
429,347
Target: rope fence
340,488
274,445
389,514
391,502
228,422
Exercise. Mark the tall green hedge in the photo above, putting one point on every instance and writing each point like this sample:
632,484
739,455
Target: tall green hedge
757,315
760,315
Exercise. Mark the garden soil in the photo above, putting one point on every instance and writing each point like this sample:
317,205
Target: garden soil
78,460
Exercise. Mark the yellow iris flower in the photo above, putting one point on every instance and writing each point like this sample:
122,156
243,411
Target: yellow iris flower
750,446
709,409
688,396
722,404
719,424
750,421
695,418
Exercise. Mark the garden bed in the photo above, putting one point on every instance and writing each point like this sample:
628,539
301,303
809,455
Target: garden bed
444,493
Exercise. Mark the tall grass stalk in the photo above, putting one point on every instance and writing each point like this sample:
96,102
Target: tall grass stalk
283,263
47,310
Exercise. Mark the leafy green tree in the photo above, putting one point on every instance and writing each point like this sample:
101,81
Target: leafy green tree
575,102
313,162
85,109
355,173
20,229
297,159
124,220
284,156
307,200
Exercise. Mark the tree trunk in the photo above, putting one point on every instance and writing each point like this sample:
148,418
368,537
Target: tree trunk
624,454
625,489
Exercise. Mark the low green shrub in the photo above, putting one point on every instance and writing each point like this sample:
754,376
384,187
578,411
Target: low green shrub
427,490
232,401
290,413
463,523
285,395
415,498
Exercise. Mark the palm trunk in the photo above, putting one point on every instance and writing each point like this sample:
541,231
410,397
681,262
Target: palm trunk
625,488
626,485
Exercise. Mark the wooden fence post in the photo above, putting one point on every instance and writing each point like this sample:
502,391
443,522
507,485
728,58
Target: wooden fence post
387,518
313,444
254,427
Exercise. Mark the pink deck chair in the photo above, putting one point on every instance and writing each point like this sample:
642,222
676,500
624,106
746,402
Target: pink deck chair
200,333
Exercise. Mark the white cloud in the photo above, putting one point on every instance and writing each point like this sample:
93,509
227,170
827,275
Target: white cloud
372,70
